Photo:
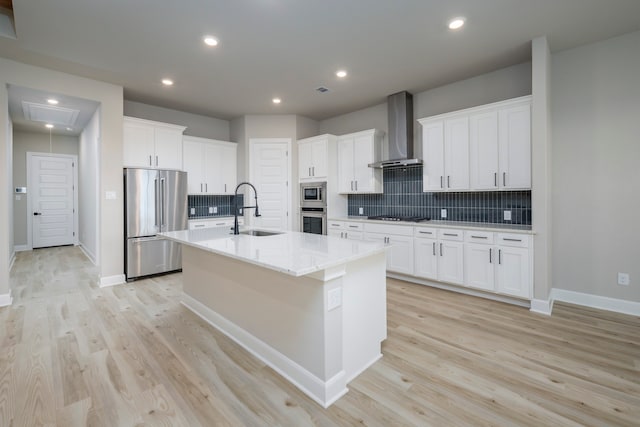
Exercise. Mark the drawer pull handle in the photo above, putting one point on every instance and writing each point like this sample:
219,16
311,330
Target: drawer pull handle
450,234
220,223
353,226
199,225
511,240
425,232
479,237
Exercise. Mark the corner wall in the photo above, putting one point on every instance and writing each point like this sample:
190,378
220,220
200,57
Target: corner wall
88,188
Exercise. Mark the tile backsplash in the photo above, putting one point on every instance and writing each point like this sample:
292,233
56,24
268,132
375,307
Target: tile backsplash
403,196
201,204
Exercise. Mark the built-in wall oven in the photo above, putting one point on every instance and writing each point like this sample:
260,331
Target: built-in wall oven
313,207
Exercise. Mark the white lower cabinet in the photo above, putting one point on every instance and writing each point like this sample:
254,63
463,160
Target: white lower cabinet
502,267
195,224
345,230
399,238
439,254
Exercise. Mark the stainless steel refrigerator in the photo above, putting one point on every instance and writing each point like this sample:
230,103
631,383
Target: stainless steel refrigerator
154,201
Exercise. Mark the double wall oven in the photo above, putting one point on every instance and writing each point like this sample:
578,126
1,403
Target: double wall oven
313,207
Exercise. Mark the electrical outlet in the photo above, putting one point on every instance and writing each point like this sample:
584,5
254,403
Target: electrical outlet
443,213
334,298
240,211
623,279
110,195
507,215
215,209
360,211
193,211
210,209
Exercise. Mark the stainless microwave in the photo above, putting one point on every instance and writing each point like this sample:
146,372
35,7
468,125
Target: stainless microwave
313,193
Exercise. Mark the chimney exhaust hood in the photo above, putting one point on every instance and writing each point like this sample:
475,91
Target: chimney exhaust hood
400,116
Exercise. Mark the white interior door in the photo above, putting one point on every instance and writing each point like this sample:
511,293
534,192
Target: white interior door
52,200
269,165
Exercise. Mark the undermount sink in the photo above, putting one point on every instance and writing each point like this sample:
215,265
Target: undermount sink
260,233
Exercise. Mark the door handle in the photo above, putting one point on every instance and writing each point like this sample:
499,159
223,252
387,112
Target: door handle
313,170
37,213
499,256
495,179
504,178
440,249
150,164
490,255
201,187
225,188
206,187
156,160
434,248
356,185
449,181
441,181
157,194
162,194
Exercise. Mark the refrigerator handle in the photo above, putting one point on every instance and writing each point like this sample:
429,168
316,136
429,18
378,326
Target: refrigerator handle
155,188
163,184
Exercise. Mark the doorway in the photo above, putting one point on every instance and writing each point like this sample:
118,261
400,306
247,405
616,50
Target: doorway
52,200
270,172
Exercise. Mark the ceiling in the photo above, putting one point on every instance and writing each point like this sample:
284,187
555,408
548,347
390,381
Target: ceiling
288,48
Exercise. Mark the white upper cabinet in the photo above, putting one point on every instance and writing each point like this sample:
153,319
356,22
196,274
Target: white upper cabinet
210,165
148,144
313,158
515,146
481,148
355,152
445,148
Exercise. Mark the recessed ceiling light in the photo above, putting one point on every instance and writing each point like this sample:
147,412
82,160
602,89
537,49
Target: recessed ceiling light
167,82
277,100
210,41
456,23
49,126
52,101
341,73
69,129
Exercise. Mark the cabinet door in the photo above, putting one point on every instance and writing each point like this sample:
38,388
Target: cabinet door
168,148
483,151
433,154
212,166
192,156
450,261
426,258
138,145
345,165
304,160
333,232
479,265
319,160
456,154
228,169
400,254
515,147
354,235
513,271
363,154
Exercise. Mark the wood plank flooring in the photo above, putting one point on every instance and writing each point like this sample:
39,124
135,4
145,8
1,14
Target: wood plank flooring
73,354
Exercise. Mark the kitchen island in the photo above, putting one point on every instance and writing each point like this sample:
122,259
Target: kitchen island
311,307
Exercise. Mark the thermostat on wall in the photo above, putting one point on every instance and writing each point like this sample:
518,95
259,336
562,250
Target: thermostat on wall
21,190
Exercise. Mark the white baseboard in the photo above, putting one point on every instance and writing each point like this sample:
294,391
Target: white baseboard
596,301
105,281
5,299
542,306
12,260
323,392
21,248
88,254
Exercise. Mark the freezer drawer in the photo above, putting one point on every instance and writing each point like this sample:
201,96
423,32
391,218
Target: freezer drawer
152,255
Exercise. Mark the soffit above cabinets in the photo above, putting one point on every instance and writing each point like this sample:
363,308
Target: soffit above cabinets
49,114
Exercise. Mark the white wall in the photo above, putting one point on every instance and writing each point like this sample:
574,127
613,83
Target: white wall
9,146
110,96
595,100
197,125
88,187
306,127
23,142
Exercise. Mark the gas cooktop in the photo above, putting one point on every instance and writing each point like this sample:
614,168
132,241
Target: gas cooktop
400,218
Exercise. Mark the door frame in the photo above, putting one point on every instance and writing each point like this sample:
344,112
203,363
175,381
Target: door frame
74,158
253,142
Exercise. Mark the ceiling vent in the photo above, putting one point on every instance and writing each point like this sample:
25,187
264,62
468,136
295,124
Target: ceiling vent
322,89
49,114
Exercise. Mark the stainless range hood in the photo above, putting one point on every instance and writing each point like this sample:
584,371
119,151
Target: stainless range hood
400,116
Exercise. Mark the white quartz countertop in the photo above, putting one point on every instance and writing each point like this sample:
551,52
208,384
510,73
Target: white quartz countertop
291,252
504,228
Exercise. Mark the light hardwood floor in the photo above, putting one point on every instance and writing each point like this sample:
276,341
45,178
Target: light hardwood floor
75,354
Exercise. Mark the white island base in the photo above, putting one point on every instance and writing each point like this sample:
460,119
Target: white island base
318,330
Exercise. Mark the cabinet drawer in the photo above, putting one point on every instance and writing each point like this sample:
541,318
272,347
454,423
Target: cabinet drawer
478,237
448,234
425,233
399,230
353,226
210,223
515,240
336,225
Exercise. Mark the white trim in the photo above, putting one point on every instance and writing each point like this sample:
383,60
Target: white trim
21,248
323,392
117,279
542,306
596,301
12,260
88,254
252,143
74,158
6,299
